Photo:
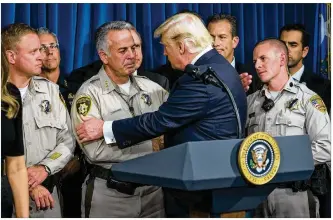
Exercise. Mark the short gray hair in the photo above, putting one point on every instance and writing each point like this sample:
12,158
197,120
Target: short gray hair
101,40
44,30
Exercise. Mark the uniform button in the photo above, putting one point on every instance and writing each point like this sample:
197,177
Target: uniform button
289,122
26,124
29,143
268,119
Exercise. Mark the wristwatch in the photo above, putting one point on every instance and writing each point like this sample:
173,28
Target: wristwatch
47,169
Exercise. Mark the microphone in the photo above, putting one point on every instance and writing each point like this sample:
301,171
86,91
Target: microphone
201,73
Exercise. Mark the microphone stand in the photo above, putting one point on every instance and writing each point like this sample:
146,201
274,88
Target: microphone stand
208,77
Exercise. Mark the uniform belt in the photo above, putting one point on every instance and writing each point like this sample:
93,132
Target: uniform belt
123,187
99,172
296,186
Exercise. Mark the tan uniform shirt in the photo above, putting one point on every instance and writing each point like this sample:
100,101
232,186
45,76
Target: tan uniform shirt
297,111
101,98
48,136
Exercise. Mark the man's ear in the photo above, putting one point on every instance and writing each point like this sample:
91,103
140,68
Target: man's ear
235,41
305,52
181,47
284,59
103,56
11,56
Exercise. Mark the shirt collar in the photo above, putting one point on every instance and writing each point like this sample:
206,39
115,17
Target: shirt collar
135,73
233,63
197,57
297,76
108,85
35,86
290,87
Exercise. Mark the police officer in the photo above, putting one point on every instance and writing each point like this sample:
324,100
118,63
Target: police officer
114,93
47,131
72,176
285,107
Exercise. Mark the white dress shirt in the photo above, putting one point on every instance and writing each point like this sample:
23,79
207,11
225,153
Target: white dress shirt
233,63
297,76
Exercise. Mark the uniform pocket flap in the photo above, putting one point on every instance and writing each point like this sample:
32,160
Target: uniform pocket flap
47,122
291,122
253,121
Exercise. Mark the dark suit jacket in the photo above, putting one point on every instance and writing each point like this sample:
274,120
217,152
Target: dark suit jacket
256,83
193,112
319,85
171,74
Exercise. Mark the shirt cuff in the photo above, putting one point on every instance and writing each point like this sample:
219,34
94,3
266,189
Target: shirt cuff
108,133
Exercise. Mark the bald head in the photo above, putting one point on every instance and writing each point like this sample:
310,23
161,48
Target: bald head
270,58
276,44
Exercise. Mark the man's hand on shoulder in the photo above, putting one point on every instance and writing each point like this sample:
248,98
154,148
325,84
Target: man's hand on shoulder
246,80
90,129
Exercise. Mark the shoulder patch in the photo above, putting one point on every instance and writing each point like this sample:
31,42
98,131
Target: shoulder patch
318,103
83,105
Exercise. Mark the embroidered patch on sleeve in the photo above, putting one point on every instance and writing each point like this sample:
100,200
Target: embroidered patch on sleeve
83,105
318,103
55,156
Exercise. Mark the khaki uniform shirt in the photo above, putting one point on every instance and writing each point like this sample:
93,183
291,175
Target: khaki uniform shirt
48,136
297,111
101,98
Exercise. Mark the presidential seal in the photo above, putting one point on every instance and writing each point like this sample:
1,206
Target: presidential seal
259,158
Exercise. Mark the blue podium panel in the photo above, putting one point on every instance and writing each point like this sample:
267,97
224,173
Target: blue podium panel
240,198
208,165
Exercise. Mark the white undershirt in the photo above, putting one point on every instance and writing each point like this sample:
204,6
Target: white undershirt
125,86
274,94
23,92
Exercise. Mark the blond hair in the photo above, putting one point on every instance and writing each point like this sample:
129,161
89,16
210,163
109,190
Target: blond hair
11,34
6,97
186,28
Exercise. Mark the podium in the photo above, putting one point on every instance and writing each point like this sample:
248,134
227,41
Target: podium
212,166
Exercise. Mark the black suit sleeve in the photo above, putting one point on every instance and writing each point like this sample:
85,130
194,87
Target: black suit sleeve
185,104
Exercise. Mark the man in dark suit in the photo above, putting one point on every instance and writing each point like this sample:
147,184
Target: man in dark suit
297,41
80,75
194,111
223,29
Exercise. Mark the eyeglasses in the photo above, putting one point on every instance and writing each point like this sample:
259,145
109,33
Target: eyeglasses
45,47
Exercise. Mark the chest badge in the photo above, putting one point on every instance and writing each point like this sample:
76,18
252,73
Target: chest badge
146,99
45,106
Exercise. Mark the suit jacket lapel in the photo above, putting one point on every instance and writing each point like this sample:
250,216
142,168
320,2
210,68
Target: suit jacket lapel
306,74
